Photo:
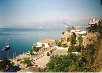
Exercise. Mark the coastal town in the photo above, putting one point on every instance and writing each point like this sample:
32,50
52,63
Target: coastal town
42,51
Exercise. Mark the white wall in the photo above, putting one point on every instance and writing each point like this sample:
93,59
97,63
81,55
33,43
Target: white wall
40,44
46,45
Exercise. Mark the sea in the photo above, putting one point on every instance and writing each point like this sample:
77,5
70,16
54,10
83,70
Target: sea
22,39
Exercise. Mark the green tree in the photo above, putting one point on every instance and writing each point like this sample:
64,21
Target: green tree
61,63
62,32
99,27
36,48
69,29
96,27
43,45
27,61
72,62
6,64
31,51
74,49
80,40
73,39
59,43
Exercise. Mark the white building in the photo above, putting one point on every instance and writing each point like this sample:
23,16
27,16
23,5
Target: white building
94,22
47,43
75,30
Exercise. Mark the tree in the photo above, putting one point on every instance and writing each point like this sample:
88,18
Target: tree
62,32
74,49
73,39
96,27
43,45
27,61
61,63
69,29
80,40
59,43
6,64
31,51
99,27
36,48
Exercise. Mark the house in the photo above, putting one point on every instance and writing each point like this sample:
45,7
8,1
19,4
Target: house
45,43
93,22
75,30
65,38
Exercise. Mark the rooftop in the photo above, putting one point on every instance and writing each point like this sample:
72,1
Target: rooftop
76,29
93,21
46,41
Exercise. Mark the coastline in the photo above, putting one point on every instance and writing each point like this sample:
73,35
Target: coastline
21,39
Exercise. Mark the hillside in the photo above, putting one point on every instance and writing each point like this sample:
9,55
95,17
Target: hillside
98,54
88,59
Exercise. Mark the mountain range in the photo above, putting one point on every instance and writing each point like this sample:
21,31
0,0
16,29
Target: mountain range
54,24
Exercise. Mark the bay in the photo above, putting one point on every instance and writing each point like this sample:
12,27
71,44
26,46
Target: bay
22,39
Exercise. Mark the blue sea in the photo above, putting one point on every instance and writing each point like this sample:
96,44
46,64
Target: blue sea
22,39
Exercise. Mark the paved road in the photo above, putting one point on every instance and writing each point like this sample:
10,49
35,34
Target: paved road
42,53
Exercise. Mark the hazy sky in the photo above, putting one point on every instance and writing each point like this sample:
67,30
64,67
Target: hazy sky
25,11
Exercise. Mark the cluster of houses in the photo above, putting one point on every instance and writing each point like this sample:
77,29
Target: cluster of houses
44,44
65,38
91,37
94,22
87,39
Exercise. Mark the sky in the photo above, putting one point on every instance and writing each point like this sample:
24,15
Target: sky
26,11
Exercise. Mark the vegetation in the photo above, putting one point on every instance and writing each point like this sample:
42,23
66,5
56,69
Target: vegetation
61,63
27,61
73,39
62,32
6,64
84,62
95,28
72,62
74,49
59,44
80,39
64,45
36,49
43,45
31,52
69,29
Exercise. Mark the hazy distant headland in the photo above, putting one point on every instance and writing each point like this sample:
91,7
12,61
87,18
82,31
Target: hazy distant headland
51,24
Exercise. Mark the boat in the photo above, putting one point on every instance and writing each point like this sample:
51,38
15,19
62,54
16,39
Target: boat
7,47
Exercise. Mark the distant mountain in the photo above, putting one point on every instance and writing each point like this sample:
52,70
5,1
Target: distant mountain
100,18
59,24
83,22
54,24
49,24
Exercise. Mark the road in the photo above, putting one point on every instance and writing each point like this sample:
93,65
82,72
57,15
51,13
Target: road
41,59
40,54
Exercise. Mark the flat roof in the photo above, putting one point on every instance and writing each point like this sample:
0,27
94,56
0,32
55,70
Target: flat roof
46,41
